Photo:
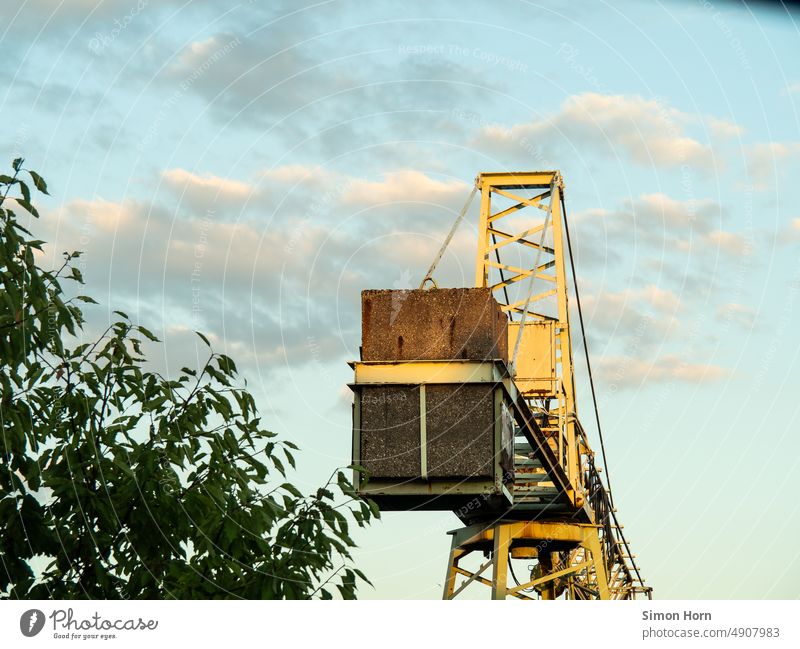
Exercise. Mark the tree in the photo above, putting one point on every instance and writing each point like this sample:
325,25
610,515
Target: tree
117,482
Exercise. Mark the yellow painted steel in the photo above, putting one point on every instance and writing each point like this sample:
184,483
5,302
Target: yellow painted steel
536,364
427,372
544,364
587,570
574,560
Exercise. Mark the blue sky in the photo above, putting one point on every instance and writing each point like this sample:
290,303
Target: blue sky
246,169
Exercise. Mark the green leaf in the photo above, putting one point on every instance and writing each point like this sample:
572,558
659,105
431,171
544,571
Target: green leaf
41,185
278,465
324,493
226,364
292,489
125,468
26,204
147,334
376,512
203,338
17,164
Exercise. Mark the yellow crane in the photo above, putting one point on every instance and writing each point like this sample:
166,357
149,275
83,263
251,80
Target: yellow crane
465,401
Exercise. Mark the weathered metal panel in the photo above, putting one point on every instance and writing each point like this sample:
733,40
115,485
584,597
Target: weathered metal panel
460,440
536,368
389,436
460,431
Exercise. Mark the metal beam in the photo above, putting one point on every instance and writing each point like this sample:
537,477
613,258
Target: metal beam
553,575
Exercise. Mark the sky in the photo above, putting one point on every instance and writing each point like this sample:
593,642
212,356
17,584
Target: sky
247,169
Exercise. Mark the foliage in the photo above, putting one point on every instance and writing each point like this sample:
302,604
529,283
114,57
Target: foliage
116,482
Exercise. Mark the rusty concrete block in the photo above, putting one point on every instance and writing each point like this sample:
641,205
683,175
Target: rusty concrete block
438,324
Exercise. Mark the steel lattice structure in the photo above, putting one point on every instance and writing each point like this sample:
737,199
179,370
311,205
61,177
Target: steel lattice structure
562,516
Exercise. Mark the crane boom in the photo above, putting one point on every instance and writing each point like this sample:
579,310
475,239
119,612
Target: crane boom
526,485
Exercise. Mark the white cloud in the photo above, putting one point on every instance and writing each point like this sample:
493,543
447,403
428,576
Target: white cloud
404,185
331,189
649,222
661,212
206,187
722,128
792,88
647,130
788,234
253,281
642,316
654,239
739,314
730,243
246,282
715,242
296,173
285,187
767,161
106,216
197,52
630,372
